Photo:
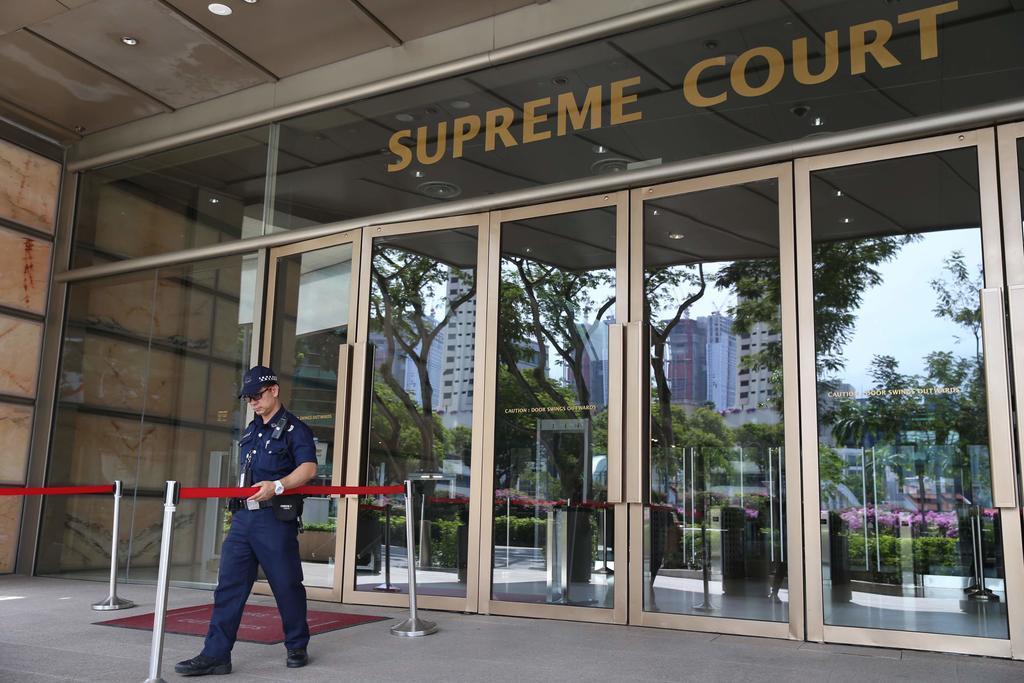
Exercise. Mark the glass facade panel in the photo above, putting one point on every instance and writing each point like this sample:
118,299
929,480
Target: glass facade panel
311,322
553,526
195,196
148,381
910,538
715,530
422,329
736,77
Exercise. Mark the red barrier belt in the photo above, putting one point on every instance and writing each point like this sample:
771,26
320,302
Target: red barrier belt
224,492
56,490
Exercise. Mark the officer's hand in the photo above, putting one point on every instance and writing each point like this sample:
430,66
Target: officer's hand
266,491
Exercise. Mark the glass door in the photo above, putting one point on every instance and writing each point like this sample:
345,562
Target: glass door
553,524
714,514
309,334
418,413
911,525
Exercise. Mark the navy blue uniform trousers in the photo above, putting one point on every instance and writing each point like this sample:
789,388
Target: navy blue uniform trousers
257,537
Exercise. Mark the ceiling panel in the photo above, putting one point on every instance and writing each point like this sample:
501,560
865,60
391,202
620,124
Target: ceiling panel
280,35
15,14
175,61
62,88
414,18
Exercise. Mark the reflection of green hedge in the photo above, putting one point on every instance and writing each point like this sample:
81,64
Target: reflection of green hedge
521,530
930,555
444,542
329,525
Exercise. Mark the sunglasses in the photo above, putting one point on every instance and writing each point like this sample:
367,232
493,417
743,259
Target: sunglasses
250,398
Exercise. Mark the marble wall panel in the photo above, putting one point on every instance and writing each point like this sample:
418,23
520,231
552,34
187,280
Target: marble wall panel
15,435
24,271
10,523
112,374
123,306
19,356
29,187
132,225
176,386
183,315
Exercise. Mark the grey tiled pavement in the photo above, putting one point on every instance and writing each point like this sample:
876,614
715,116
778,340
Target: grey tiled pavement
47,634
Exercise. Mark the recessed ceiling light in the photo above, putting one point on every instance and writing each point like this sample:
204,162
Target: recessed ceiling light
439,189
419,174
460,104
219,8
128,40
559,80
654,213
847,220
528,250
711,44
676,235
839,193
79,129
405,118
214,200
600,149
818,122
250,2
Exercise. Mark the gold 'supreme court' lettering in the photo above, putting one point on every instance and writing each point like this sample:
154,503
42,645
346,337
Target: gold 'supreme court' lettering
867,40
496,124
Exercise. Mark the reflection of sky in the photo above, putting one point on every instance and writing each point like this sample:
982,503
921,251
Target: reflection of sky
896,318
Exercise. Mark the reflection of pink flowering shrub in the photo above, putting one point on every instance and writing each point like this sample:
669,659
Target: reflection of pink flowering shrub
751,513
889,520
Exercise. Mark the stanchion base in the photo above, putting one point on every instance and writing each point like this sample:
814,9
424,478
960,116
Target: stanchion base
983,595
384,588
112,603
155,680
604,571
414,628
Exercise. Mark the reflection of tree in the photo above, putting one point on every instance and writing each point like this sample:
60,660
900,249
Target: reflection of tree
555,308
402,313
660,287
944,407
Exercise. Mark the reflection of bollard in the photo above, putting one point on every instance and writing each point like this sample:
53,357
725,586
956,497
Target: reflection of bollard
156,651
413,626
604,569
113,602
839,558
386,587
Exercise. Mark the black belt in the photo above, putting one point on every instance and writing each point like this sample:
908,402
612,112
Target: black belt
263,504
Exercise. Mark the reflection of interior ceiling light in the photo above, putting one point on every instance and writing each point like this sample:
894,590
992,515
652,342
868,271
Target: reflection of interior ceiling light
129,41
847,220
460,104
654,213
839,193
405,118
676,235
419,174
214,200
600,149
440,189
818,122
218,8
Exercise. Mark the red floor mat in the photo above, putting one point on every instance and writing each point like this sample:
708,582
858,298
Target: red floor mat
260,623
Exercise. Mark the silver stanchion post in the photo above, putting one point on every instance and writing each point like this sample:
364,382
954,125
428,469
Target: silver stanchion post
112,601
156,651
413,626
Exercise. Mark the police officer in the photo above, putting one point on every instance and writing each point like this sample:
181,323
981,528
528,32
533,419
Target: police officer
276,452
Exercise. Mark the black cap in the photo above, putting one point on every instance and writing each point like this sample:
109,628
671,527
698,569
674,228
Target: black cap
256,378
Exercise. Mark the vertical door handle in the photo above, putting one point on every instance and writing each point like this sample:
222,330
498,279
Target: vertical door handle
638,396
1016,299
997,382
341,412
616,398
359,387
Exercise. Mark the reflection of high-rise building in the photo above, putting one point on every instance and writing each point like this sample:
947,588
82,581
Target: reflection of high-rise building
687,359
456,382
721,361
754,388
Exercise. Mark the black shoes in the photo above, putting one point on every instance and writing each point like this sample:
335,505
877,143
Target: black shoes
297,658
200,665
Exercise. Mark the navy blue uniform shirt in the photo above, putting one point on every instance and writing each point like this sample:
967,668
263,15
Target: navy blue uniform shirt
273,459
